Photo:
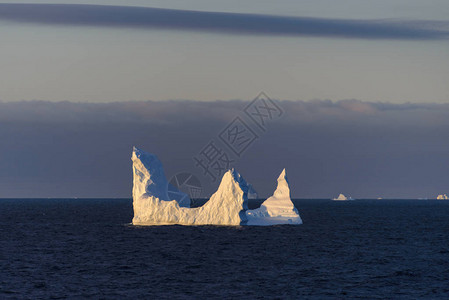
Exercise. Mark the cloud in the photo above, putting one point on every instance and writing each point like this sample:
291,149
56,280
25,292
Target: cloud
364,149
219,22
178,111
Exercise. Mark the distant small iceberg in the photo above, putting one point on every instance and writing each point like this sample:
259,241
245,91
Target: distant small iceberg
342,197
252,194
442,197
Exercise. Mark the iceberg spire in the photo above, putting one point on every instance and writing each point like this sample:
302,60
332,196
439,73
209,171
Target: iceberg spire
282,190
277,209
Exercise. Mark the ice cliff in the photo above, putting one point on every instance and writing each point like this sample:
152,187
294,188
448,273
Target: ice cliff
278,209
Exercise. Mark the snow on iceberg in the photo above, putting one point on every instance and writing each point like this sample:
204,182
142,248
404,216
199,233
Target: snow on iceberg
152,206
278,209
342,197
442,197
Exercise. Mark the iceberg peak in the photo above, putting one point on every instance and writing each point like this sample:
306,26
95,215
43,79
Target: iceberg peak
277,209
282,189
149,178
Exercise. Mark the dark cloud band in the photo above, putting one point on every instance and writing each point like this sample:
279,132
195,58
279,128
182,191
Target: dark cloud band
71,149
218,22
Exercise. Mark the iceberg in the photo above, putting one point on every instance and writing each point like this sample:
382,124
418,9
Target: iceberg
156,202
442,197
152,206
342,197
278,209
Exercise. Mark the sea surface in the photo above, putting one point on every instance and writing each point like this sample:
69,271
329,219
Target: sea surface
86,248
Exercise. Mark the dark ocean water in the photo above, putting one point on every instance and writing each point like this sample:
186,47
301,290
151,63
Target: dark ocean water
376,249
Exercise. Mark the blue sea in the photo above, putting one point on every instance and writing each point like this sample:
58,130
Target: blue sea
86,249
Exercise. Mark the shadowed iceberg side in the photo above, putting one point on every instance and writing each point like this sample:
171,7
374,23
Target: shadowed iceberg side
278,209
152,206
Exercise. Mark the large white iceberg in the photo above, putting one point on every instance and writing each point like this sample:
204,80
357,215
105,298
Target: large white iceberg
442,197
278,209
153,205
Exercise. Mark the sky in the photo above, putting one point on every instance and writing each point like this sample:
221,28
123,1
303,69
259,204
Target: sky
362,87
52,55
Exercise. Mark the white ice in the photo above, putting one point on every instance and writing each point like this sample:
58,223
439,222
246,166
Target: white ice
149,179
278,209
342,197
227,206
152,207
